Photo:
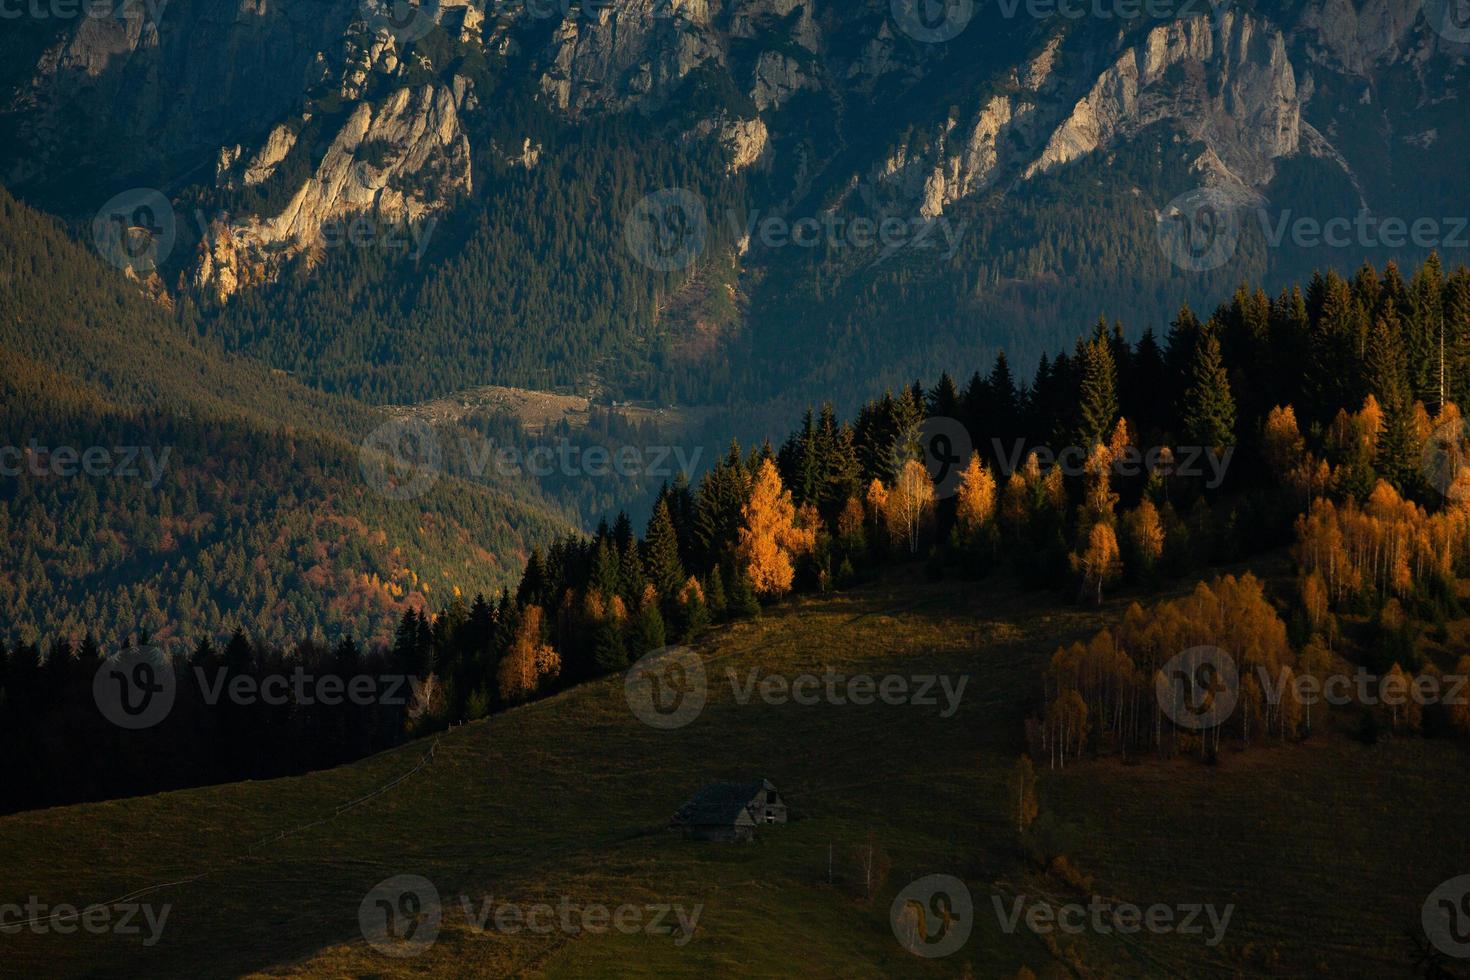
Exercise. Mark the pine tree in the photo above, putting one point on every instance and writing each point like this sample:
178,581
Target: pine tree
1338,337
714,595
1004,403
944,400
1426,347
605,576
534,583
648,632
405,644
799,462
1208,410
1457,338
840,471
681,512
661,561
717,509
631,579
1179,351
742,601
609,651
1098,395
693,613
622,532
1145,398
1387,377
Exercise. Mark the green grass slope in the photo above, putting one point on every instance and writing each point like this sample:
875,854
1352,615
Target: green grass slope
1326,849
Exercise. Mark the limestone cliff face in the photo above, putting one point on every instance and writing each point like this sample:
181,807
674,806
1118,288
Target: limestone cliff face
234,170
965,160
396,162
219,93
168,80
1357,37
1228,84
634,54
748,141
631,54
970,155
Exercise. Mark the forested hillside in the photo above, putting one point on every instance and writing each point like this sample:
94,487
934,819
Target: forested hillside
220,494
497,157
1120,466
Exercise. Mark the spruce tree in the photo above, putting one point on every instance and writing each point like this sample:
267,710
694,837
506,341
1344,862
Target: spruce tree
1426,348
1208,410
1457,338
631,579
944,400
690,615
405,643
648,630
609,651
714,595
1145,399
1388,380
1002,386
742,598
839,464
661,554
1097,397
605,577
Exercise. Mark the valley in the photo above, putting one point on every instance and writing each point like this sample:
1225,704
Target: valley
766,488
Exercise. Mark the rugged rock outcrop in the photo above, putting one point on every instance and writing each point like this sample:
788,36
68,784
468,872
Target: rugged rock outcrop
747,140
633,54
258,167
1224,81
163,83
175,93
1227,83
395,162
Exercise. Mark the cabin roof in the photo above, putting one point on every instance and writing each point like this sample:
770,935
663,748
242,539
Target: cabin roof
722,803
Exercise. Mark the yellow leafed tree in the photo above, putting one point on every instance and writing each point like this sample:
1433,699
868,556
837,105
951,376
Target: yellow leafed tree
976,503
1145,533
769,535
910,504
529,660
1099,561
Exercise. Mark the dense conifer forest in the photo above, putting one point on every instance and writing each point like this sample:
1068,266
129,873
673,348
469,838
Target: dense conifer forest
1118,466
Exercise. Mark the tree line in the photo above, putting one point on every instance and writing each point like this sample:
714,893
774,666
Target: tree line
839,500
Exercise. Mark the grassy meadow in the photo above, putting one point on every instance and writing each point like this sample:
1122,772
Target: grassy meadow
1326,849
